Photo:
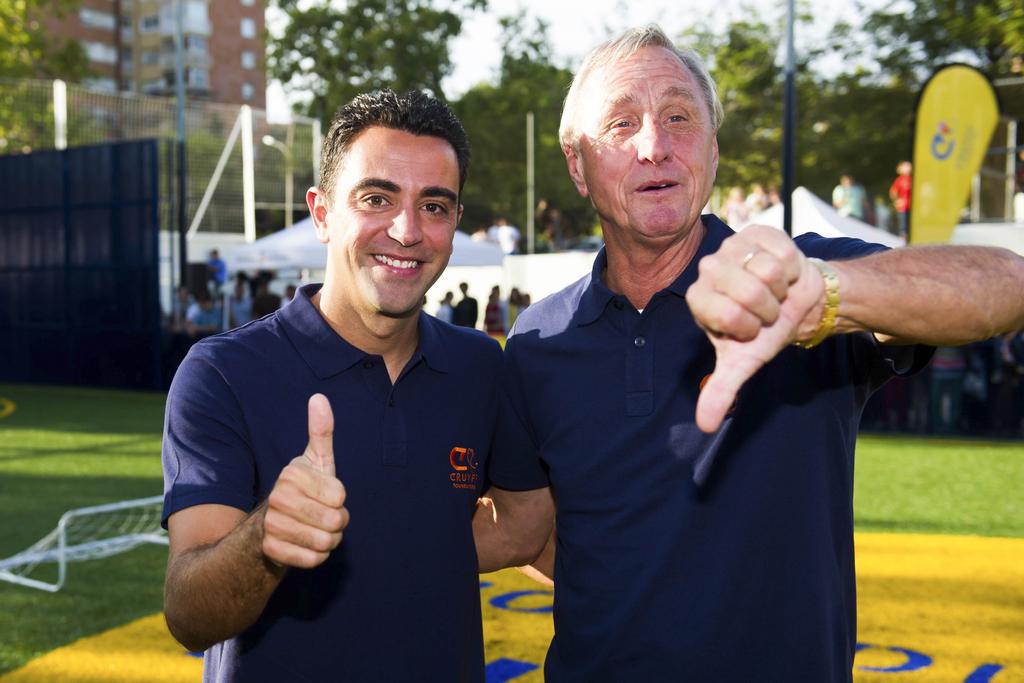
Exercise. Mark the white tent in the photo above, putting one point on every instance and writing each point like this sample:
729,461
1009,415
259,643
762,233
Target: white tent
811,214
297,247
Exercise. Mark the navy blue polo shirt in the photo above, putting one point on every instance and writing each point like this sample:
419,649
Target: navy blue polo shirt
399,599
683,556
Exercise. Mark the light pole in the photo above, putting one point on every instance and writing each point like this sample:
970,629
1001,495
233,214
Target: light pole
271,141
789,124
531,208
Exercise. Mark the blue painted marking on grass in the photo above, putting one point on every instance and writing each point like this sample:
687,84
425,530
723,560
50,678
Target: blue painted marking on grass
501,670
984,673
915,660
502,601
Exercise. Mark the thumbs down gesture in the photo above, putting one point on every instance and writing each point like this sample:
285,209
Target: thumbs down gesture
753,297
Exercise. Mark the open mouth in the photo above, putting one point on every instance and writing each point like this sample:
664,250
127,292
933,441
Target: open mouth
655,187
396,263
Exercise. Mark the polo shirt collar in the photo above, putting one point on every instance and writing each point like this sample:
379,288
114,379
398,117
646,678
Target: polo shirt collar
327,353
596,294
431,347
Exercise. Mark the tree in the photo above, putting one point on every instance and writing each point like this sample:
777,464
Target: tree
28,51
846,123
900,47
495,118
909,42
336,53
742,62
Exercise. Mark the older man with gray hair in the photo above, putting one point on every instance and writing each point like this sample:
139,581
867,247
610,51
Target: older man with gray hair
692,404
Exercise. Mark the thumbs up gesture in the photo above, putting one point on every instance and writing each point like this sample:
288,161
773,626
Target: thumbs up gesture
305,512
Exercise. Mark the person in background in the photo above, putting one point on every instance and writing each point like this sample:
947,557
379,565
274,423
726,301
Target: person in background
734,211
181,305
240,305
949,366
1008,385
445,310
289,293
505,236
216,273
757,200
549,224
204,317
850,199
513,307
899,193
265,302
466,311
494,314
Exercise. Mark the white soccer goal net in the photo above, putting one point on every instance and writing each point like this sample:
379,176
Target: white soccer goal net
86,534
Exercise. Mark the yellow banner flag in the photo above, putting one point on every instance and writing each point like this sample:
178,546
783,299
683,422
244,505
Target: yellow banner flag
956,116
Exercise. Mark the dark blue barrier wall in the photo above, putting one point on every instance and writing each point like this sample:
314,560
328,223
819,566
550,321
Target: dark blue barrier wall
79,299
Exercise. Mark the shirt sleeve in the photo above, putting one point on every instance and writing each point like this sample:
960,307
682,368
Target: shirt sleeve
206,452
515,462
875,363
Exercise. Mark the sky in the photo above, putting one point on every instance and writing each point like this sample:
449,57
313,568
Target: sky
575,26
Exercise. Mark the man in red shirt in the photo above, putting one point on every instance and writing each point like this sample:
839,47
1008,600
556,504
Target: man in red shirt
899,193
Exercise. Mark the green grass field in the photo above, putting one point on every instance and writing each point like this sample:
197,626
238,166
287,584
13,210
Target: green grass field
68,448
64,448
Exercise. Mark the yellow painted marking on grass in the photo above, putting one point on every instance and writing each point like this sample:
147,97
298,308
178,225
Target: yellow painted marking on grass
7,407
523,636
958,600
140,652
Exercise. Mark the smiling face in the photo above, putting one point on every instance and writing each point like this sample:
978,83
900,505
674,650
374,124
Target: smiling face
389,222
646,153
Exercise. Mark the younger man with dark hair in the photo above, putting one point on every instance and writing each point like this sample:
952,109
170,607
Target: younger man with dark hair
258,575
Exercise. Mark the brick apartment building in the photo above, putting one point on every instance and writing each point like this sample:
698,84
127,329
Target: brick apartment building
130,46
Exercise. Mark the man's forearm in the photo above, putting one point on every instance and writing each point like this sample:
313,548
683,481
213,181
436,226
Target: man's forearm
511,527
542,569
494,549
936,295
214,592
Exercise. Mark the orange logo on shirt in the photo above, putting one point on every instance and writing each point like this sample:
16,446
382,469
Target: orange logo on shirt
463,462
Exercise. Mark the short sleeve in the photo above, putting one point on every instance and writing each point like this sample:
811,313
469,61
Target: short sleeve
874,363
206,452
882,362
515,462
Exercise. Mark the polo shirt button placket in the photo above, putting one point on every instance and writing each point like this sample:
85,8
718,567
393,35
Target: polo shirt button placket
640,378
395,433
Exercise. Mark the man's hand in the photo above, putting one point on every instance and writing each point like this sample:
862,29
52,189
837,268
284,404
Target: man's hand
305,512
753,297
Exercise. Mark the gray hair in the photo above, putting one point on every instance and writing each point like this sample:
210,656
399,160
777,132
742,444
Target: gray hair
623,47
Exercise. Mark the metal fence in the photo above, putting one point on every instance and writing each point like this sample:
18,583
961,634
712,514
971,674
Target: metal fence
240,166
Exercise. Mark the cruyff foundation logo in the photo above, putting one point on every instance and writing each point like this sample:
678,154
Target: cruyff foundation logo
463,474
